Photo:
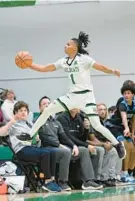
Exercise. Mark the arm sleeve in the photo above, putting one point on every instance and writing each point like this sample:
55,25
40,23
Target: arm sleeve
122,107
89,62
59,64
119,101
64,139
68,132
13,130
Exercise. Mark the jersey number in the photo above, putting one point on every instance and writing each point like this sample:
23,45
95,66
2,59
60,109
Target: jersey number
72,78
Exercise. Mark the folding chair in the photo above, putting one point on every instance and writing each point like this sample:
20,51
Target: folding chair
30,169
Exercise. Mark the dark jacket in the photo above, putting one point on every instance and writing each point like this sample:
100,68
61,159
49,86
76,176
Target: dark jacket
74,128
52,134
98,135
1,116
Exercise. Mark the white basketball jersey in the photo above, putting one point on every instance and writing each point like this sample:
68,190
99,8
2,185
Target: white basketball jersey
78,71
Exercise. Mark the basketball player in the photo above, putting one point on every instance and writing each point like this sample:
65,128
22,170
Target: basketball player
78,64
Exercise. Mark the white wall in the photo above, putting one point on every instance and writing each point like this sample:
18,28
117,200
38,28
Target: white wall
43,30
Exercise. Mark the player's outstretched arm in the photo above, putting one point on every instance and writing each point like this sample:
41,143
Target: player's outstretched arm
105,69
43,68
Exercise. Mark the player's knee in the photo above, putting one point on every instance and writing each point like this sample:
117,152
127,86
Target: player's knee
45,112
53,108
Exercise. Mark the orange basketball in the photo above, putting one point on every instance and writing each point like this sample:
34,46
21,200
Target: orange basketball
23,60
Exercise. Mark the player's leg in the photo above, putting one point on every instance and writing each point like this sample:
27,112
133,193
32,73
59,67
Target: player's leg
55,107
96,124
91,111
63,103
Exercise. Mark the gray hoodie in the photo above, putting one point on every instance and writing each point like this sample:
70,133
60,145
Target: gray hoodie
17,129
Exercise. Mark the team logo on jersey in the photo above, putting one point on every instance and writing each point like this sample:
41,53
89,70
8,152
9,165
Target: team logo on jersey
71,69
75,63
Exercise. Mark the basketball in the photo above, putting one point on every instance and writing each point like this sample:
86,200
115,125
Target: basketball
23,60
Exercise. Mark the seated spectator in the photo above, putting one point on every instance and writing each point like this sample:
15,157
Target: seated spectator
111,111
8,105
2,96
102,111
74,129
53,136
26,152
111,166
122,125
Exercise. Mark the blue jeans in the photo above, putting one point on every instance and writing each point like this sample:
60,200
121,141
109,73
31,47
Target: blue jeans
46,157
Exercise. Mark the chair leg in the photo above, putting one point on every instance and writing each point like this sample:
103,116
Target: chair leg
28,177
31,175
38,175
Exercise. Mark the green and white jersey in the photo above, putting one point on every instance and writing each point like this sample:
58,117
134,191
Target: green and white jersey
78,71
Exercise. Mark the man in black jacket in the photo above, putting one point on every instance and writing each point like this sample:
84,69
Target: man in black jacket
52,135
77,129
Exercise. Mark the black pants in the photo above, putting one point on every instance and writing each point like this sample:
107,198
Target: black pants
44,156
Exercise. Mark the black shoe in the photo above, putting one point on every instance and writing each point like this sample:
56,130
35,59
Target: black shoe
121,150
100,183
110,183
64,186
91,185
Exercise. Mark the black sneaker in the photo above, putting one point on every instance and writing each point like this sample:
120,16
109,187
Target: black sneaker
91,185
64,186
110,183
121,150
100,183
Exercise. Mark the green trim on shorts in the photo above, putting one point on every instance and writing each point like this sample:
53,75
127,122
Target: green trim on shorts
63,104
81,92
92,115
90,104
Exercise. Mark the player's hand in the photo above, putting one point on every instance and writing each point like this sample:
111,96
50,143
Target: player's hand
75,151
116,72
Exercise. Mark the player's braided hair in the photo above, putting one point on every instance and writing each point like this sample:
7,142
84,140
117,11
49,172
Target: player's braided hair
82,42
